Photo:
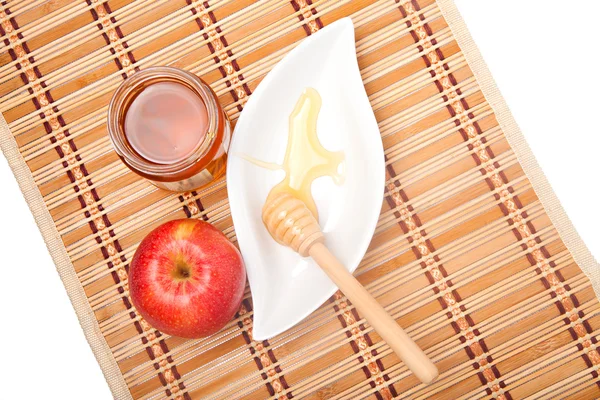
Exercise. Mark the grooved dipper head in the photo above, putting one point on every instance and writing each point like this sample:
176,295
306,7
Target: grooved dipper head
290,223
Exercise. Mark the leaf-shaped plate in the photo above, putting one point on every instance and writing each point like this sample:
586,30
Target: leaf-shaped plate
286,287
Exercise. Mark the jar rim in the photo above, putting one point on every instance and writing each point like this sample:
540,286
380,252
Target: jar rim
129,90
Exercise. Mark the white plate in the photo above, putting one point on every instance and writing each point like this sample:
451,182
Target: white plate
286,288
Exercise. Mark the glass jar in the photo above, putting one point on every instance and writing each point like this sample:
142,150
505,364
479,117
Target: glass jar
209,159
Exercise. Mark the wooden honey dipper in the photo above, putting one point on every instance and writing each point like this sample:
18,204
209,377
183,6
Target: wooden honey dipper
291,224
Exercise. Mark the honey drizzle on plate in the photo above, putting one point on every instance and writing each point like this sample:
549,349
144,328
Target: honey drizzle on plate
260,163
305,158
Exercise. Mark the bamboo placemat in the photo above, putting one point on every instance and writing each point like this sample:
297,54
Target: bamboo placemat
472,254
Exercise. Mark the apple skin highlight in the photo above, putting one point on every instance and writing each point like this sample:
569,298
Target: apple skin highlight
187,279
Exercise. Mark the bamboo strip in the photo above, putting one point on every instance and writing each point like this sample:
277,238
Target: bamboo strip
435,388
418,111
51,77
392,31
115,200
389,216
535,334
105,174
19,7
40,146
169,205
553,357
587,390
53,170
563,389
78,37
591,310
101,264
53,19
410,84
265,65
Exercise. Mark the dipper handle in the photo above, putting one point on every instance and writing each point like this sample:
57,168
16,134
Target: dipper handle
404,347
291,224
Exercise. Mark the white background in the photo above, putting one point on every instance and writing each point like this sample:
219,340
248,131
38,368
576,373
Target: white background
545,61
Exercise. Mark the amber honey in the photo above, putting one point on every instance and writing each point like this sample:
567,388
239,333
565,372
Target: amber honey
167,125
305,158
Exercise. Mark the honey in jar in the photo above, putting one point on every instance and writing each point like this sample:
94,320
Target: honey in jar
167,125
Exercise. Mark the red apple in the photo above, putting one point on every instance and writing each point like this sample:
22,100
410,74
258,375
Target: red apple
187,279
